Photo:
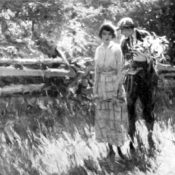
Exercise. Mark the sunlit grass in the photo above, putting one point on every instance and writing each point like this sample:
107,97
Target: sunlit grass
71,151
38,154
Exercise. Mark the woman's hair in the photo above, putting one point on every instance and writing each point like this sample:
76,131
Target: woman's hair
108,26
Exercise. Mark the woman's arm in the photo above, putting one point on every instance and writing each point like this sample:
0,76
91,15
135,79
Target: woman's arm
96,73
119,58
120,94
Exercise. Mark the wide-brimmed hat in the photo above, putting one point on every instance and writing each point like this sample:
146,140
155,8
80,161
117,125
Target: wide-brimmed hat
125,23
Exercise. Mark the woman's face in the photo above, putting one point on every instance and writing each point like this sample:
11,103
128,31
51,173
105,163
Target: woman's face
106,36
127,32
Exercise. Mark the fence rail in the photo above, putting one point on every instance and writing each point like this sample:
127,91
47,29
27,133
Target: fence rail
19,80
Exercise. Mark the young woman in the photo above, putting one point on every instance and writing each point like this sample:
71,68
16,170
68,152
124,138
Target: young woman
111,115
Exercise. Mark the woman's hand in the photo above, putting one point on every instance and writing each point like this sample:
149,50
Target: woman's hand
121,95
96,98
127,65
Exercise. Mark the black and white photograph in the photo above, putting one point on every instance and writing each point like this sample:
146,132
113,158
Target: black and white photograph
87,87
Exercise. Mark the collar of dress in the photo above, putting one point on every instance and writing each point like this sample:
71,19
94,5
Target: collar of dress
109,46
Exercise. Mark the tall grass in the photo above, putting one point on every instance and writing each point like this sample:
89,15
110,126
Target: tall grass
40,141
72,154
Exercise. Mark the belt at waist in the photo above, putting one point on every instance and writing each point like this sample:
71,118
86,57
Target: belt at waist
109,72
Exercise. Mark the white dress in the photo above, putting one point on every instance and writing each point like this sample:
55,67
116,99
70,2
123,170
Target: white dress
111,120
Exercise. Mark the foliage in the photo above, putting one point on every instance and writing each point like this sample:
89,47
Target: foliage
156,16
26,152
54,135
73,25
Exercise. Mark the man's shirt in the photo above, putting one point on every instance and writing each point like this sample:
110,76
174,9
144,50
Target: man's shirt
128,45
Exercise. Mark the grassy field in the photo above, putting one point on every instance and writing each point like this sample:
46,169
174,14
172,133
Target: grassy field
70,148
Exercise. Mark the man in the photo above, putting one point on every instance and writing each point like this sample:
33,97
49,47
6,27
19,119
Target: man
140,79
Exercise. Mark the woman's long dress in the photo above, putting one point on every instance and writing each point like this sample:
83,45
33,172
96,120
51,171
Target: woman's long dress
111,117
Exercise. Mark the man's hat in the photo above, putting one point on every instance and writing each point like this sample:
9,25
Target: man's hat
125,23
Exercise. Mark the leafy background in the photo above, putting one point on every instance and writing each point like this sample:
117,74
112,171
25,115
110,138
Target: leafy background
41,134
